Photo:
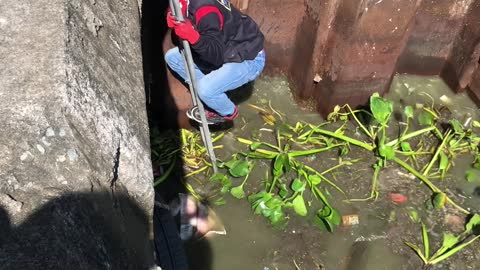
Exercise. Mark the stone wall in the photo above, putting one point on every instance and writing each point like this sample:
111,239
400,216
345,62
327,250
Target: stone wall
74,145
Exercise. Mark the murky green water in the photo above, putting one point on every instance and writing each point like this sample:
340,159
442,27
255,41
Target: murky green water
376,243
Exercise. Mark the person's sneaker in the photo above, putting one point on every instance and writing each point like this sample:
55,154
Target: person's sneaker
212,117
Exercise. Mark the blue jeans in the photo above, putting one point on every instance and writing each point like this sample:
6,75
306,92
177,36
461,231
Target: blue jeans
212,87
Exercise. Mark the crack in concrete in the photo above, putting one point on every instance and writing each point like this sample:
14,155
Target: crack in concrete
13,199
113,181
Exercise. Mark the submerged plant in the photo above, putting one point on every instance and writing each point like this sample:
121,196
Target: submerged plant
451,244
289,183
164,149
285,184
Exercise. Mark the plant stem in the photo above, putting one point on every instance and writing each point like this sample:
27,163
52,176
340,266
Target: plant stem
324,179
373,193
359,123
427,182
248,142
313,151
376,172
263,151
452,251
166,173
214,140
417,174
279,139
347,139
273,184
322,197
410,135
246,177
437,152
343,163
406,128
291,197
184,138
305,134
197,171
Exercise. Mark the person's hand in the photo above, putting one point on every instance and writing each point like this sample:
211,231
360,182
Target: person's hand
170,20
185,30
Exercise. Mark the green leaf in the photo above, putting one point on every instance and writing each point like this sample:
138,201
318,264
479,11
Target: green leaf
229,164
476,123
406,147
238,192
425,119
255,145
298,185
473,222
239,168
472,175
449,240
418,251
274,202
287,165
223,180
334,113
330,216
226,187
220,177
381,108
413,215
321,224
452,142
439,200
220,201
266,212
453,251
443,161
283,191
476,165
344,150
457,127
299,206
256,196
386,151
314,179
408,111
277,216
426,242
279,164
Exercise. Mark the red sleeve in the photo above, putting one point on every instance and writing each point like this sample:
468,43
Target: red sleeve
210,47
205,10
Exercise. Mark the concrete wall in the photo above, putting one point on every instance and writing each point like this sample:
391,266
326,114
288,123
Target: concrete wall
75,169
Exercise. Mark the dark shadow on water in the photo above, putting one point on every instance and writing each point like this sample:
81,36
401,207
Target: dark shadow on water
198,253
163,115
242,93
78,231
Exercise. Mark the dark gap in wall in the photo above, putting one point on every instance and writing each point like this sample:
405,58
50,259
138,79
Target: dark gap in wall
162,116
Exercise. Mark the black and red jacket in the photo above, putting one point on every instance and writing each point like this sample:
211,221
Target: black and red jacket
226,34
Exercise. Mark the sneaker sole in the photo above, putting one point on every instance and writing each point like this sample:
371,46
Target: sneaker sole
191,116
